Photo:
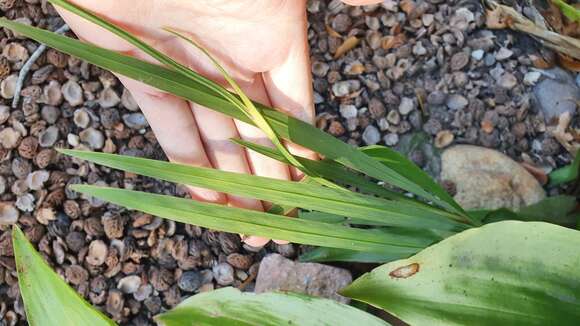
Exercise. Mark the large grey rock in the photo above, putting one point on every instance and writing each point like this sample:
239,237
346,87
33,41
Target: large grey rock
487,179
557,95
280,274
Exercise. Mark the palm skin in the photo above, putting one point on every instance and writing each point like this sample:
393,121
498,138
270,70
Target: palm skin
262,44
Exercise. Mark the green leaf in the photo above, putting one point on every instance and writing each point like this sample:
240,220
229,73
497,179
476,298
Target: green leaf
506,273
229,306
202,91
569,11
566,174
399,163
556,210
48,300
309,196
325,254
329,170
236,220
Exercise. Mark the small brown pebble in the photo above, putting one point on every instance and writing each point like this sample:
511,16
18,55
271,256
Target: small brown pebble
229,242
113,225
240,261
97,253
115,304
459,60
4,68
55,198
44,158
76,275
45,215
72,209
8,214
75,241
28,147
93,227
336,128
56,58
161,279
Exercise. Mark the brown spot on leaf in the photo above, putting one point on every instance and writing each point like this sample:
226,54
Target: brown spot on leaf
405,271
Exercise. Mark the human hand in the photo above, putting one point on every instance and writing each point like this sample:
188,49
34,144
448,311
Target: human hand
262,44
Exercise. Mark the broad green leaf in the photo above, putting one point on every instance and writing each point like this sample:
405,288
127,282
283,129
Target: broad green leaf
506,273
309,196
236,220
198,91
48,300
229,306
566,174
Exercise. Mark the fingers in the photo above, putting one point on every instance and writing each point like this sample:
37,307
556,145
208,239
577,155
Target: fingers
289,87
216,130
176,130
260,164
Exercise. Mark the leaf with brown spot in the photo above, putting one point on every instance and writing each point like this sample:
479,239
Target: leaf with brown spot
405,271
505,273
348,44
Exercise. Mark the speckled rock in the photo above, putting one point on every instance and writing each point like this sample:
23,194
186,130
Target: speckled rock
487,179
556,96
280,274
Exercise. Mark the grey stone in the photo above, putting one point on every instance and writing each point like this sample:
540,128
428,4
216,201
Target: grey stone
190,281
223,274
348,111
371,135
407,105
556,96
478,54
280,274
456,102
507,81
135,120
487,179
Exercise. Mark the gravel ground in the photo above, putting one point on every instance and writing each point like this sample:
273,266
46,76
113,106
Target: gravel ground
423,71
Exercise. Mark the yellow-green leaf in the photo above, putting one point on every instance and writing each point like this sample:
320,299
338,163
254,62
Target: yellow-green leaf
230,307
48,300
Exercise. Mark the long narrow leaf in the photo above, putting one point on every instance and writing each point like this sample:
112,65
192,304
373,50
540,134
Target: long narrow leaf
406,168
236,220
314,197
325,254
48,300
327,169
173,82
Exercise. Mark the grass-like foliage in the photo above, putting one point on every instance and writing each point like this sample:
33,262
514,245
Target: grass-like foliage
455,281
